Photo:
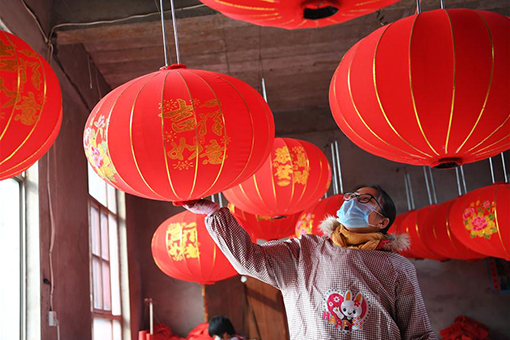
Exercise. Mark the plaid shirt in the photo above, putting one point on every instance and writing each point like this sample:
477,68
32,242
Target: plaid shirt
330,292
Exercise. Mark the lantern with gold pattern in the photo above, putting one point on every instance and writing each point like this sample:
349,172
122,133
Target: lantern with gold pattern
30,106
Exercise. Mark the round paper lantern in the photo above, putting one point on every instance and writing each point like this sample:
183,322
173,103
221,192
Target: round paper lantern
294,177
179,134
183,249
439,238
481,220
30,106
414,224
310,219
429,89
296,14
265,227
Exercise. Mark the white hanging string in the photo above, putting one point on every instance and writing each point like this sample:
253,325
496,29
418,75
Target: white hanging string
163,31
174,22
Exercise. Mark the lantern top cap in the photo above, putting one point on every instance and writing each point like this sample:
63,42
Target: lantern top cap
172,67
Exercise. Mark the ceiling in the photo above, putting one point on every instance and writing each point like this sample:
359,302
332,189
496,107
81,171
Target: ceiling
297,65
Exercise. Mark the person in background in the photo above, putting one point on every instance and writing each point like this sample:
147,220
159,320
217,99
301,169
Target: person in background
348,284
220,328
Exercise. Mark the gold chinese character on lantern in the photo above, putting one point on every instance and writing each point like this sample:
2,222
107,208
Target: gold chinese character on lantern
200,118
182,241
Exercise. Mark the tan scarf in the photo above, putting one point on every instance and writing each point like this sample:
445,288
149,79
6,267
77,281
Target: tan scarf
362,241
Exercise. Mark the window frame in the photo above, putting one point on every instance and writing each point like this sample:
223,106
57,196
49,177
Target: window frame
97,312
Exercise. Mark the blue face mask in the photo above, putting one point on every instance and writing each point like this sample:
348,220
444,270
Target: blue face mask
353,214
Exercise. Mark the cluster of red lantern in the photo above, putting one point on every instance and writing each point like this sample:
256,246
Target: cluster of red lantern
294,177
265,227
31,106
296,14
179,134
429,89
473,226
183,249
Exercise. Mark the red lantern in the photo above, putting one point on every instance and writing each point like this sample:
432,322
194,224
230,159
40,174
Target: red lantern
414,224
296,14
430,89
183,249
310,219
481,220
265,227
179,134
294,177
439,238
31,106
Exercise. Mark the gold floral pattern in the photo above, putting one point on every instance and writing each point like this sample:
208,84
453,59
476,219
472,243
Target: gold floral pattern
23,93
479,219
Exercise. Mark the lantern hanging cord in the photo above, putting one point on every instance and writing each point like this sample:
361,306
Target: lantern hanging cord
165,48
418,6
176,37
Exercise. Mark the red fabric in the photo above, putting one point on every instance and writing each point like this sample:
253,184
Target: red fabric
310,219
265,227
294,177
413,93
398,228
200,332
289,14
179,134
480,220
464,328
31,106
183,249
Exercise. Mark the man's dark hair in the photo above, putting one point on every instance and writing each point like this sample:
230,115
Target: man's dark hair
220,325
387,204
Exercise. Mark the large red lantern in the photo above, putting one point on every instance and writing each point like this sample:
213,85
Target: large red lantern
481,220
310,219
179,134
296,14
265,227
294,177
30,106
429,89
183,249
439,238
414,224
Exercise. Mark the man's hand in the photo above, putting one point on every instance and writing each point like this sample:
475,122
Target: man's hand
199,207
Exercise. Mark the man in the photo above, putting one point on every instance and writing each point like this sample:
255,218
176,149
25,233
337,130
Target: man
348,284
220,328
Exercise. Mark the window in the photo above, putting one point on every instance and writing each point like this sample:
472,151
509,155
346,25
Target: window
107,322
11,248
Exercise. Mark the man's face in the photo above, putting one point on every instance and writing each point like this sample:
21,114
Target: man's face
375,219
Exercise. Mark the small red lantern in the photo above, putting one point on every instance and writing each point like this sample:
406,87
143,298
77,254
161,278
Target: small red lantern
183,249
294,177
296,14
310,219
481,220
429,89
439,238
414,224
179,134
31,106
265,227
